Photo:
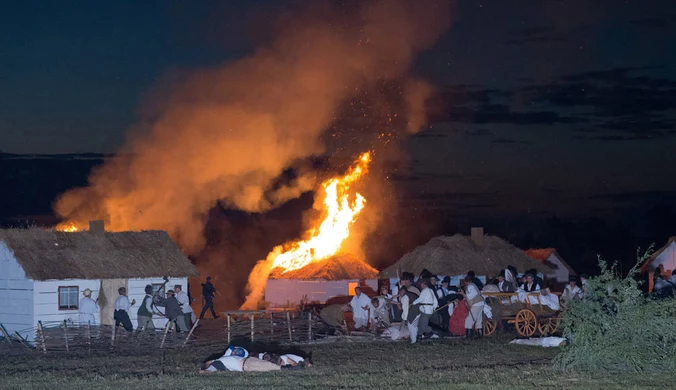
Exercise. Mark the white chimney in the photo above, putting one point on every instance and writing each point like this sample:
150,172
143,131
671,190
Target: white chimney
97,226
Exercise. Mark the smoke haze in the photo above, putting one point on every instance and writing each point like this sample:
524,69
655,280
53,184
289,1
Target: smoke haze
225,135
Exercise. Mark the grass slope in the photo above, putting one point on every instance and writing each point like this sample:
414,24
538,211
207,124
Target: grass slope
489,363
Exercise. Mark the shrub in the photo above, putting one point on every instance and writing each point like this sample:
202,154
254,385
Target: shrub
617,327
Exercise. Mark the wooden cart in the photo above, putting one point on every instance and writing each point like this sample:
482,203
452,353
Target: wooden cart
528,318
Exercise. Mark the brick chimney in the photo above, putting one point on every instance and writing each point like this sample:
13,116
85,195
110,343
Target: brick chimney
97,226
478,236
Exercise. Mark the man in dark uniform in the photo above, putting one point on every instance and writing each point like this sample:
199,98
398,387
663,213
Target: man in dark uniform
208,292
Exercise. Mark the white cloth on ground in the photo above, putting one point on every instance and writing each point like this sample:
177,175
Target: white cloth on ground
291,358
397,332
231,363
413,329
540,341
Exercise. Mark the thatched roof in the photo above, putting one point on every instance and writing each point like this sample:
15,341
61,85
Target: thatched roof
52,255
340,267
458,254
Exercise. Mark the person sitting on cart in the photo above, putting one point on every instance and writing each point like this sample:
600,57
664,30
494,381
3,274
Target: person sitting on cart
572,292
530,285
504,285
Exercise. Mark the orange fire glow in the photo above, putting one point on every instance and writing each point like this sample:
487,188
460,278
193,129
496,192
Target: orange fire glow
67,227
326,240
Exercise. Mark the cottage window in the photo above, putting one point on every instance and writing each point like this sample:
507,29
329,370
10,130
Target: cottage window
68,297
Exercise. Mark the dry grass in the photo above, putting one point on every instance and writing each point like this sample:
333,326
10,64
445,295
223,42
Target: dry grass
376,365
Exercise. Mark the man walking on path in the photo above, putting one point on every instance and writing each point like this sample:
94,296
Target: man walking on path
208,292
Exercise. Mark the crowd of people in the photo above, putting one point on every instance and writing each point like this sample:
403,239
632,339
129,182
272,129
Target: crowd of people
663,286
176,304
428,306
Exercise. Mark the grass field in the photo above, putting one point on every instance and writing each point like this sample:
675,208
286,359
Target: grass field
440,364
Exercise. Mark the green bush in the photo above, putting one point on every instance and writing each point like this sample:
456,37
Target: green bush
617,327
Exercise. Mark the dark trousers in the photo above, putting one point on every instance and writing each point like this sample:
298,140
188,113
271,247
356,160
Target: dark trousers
122,317
209,305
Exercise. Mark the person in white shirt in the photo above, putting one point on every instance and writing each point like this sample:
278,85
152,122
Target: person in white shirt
239,364
428,303
361,308
284,360
572,292
184,301
88,308
122,306
475,303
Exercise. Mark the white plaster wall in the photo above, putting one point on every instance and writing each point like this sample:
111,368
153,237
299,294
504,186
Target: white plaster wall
16,295
561,273
667,259
46,298
280,292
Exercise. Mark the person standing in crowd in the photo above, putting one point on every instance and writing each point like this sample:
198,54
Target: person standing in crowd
444,289
122,306
361,308
504,285
144,316
184,301
475,303
428,303
172,310
88,308
530,285
208,292
476,281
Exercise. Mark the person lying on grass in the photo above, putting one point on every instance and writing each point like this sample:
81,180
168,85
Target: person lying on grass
287,359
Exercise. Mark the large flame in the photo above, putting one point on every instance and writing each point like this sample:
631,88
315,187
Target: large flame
325,240
67,227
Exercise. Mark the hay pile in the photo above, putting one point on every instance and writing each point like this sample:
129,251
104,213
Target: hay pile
339,267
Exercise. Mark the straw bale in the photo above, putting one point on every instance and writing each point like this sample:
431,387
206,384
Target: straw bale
458,254
54,255
339,267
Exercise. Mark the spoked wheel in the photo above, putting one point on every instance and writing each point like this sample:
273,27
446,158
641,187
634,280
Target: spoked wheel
489,326
547,326
526,323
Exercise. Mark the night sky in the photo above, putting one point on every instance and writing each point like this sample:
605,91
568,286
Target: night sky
541,108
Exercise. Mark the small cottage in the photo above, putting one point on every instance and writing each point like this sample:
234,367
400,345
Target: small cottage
319,281
663,259
44,273
559,271
453,256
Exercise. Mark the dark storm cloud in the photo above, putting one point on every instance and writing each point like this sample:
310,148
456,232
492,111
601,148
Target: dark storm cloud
501,140
536,35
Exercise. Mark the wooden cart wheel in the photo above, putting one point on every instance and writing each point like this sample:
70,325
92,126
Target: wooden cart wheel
548,326
489,326
526,322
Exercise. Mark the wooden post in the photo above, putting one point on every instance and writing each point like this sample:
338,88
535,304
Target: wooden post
309,329
228,328
42,337
65,333
21,340
112,336
89,334
272,326
166,330
252,317
4,333
191,330
288,324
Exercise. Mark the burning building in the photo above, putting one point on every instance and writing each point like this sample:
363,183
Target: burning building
319,281
312,265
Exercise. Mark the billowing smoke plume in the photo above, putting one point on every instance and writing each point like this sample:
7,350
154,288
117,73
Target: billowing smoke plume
225,134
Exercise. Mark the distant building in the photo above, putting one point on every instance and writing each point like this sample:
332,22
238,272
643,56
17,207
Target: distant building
44,273
663,259
559,270
453,256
